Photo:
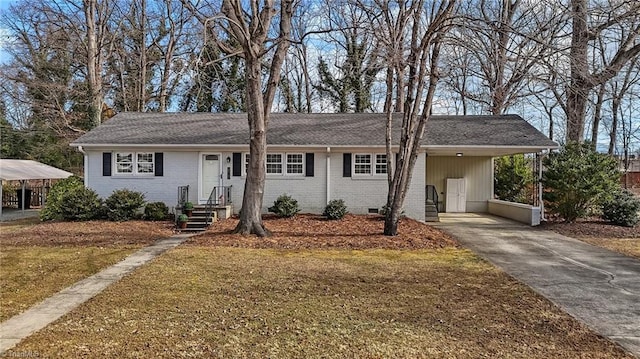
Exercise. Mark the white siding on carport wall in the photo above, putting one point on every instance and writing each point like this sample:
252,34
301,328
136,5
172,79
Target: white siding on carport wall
476,170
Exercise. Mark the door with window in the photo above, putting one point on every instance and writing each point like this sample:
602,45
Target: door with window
209,174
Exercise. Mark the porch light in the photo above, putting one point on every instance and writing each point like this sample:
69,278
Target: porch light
228,159
459,154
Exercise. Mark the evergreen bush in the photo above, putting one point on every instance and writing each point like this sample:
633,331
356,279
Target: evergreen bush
335,209
622,209
51,210
577,179
285,206
123,205
80,204
156,211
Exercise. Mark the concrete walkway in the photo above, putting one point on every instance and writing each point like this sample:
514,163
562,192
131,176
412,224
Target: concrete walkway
599,287
13,330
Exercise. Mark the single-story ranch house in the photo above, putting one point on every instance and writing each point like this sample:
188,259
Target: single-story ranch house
312,157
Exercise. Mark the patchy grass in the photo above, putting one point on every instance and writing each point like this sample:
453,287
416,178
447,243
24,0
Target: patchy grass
627,246
31,274
202,301
39,259
19,224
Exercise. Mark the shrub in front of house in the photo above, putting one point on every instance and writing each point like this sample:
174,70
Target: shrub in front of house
335,209
123,205
156,211
622,209
577,179
80,204
285,206
51,210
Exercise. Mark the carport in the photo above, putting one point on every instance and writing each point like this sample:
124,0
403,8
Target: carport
25,170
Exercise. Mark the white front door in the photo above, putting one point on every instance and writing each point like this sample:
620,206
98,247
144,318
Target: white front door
456,200
209,174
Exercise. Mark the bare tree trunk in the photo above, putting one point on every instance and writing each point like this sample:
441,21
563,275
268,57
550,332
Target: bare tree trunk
94,64
168,59
250,29
142,88
582,80
597,113
251,215
613,136
421,64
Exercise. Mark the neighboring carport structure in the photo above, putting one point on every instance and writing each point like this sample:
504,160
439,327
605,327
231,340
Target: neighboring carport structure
24,170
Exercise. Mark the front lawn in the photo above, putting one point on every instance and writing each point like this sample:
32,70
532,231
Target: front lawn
219,301
39,259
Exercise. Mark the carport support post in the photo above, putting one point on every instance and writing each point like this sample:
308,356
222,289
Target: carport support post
24,186
539,157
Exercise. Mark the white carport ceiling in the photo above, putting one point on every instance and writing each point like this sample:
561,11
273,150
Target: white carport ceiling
11,170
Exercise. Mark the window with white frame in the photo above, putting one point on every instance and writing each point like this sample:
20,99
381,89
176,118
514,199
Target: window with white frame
362,164
144,162
381,164
134,163
124,163
274,163
295,165
369,164
246,164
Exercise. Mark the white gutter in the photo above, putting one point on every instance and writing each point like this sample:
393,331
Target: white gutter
328,174
86,166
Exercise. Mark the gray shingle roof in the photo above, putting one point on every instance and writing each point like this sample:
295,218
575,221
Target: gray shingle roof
366,129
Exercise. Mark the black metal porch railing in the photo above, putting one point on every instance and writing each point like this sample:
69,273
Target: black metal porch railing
220,196
432,197
183,195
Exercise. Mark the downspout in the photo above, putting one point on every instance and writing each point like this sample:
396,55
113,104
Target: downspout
86,166
328,174
540,189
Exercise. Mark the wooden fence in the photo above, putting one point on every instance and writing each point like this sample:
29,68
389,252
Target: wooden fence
36,199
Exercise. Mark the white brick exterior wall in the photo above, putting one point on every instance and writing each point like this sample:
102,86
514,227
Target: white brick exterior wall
182,168
177,167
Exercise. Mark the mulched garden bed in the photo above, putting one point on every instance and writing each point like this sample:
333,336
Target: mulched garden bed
592,227
308,231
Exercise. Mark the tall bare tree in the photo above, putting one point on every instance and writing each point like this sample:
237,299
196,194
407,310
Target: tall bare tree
411,35
617,21
262,32
500,42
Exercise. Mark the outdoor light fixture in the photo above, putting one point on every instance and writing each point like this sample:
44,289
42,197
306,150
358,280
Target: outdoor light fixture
228,159
459,154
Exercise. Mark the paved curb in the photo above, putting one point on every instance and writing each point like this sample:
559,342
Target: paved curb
18,327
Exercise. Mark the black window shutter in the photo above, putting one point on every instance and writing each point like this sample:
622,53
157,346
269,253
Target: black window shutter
237,164
106,164
159,165
346,165
309,165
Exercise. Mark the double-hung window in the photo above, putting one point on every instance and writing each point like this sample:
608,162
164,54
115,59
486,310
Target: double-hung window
295,164
381,164
368,164
274,163
362,164
134,163
288,164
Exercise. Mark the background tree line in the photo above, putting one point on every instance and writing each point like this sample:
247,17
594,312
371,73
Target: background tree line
570,67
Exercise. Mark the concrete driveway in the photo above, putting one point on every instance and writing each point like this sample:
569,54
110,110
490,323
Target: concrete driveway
597,286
